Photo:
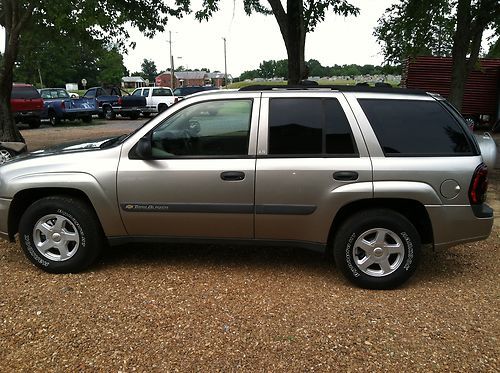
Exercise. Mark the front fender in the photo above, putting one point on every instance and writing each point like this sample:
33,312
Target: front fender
103,198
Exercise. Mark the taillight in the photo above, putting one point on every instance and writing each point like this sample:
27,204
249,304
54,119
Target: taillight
479,185
120,100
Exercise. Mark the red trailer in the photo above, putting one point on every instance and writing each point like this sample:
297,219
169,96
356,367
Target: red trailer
482,89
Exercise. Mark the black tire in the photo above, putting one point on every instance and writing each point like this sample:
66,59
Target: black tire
162,108
134,116
34,123
109,114
146,115
53,119
87,119
73,225
362,228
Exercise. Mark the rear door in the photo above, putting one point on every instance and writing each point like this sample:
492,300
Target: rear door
311,161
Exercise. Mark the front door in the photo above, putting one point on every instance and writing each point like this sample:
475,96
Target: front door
200,182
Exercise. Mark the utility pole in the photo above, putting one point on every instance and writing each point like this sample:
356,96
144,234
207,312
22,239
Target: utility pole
172,83
225,64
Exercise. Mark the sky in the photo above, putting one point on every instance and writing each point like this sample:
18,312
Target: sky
253,39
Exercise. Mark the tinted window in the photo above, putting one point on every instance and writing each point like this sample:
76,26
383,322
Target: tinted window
214,128
137,92
162,92
24,92
339,138
406,127
145,93
295,126
308,126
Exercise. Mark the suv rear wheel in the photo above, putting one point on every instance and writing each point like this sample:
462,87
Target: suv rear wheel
377,249
60,234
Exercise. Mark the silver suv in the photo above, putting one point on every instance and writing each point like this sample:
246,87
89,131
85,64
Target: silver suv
367,174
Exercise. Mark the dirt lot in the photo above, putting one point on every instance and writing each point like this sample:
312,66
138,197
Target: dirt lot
210,308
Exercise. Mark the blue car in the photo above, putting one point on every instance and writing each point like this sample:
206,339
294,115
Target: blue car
60,106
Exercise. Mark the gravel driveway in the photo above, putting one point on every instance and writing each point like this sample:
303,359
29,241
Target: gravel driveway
211,308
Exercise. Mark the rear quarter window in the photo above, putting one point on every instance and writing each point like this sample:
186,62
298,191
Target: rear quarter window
416,128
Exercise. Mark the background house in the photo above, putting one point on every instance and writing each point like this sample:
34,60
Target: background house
133,82
192,78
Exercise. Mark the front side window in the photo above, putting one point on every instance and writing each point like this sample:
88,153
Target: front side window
90,93
137,92
145,93
207,129
309,126
415,128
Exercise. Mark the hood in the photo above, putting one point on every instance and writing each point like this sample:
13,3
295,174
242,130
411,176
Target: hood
69,147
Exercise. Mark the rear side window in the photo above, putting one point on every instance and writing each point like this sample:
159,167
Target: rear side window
162,92
309,126
415,128
24,93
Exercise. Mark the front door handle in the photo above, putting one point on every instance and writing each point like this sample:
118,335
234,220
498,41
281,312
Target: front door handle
345,175
232,175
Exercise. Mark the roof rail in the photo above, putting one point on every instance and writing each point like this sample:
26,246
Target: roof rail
341,88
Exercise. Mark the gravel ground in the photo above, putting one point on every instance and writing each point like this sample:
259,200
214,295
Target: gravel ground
210,308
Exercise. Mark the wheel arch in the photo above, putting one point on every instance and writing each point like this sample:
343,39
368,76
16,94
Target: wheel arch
24,198
413,210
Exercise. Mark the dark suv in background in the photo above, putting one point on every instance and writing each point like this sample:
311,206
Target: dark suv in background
182,92
26,104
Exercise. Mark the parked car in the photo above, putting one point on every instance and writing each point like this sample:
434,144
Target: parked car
158,99
26,104
60,106
115,101
368,174
182,92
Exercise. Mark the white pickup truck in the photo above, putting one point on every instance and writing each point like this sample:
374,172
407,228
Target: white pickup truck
158,99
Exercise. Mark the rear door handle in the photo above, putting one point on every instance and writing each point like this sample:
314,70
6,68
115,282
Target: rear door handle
232,175
345,175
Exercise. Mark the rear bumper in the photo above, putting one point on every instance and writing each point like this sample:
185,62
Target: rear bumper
127,110
21,116
149,109
453,225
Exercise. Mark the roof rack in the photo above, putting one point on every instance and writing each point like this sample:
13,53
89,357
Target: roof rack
341,88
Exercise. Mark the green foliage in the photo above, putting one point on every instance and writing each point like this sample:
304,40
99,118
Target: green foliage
148,70
63,58
278,69
416,27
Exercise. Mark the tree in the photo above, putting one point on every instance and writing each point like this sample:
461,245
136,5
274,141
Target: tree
111,68
473,17
108,26
415,27
148,69
300,17
439,27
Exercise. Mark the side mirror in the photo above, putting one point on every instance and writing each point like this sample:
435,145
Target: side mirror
143,148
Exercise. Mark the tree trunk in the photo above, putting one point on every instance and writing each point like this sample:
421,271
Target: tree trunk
292,29
15,17
296,42
8,128
461,41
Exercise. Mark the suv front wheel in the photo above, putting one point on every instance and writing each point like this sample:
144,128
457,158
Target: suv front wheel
377,249
60,234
